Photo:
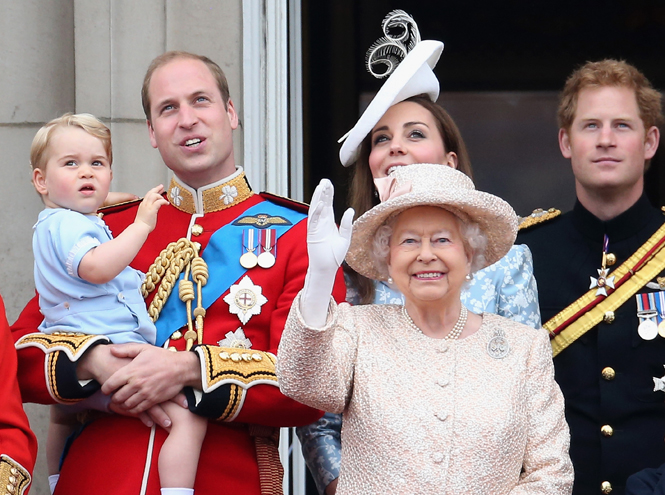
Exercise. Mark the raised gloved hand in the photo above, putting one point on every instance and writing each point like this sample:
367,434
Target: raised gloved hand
326,247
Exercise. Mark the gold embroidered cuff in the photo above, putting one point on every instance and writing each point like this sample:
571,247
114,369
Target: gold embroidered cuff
236,398
242,367
72,344
14,478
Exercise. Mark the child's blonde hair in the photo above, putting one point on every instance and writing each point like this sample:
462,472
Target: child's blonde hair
89,123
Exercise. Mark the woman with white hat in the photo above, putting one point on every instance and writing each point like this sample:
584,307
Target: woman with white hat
403,124
436,399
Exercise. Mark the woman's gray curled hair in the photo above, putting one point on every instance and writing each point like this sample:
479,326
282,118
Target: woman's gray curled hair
475,242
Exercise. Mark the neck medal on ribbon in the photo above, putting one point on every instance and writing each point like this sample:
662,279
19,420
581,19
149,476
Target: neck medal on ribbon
603,281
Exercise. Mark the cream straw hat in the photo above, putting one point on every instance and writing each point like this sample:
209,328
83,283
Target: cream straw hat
432,185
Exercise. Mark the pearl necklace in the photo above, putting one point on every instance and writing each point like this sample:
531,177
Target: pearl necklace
453,334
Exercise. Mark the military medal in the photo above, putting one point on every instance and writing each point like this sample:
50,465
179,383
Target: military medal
603,281
648,329
647,313
249,243
245,299
268,246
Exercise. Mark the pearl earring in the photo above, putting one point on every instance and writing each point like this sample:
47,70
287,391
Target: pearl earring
390,281
468,276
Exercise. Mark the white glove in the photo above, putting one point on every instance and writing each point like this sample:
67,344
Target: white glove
326,248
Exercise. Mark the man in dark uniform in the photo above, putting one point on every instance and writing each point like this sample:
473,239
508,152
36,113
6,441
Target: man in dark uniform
608,117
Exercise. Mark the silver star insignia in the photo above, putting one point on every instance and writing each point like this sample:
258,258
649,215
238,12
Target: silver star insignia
602,282
659,383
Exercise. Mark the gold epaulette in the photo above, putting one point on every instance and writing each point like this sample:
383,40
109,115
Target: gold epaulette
537,217
14,478
72,344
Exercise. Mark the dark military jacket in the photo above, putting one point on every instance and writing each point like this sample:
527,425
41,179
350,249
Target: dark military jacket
616,419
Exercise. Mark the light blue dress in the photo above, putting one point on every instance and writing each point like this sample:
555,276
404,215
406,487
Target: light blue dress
69,303
507,288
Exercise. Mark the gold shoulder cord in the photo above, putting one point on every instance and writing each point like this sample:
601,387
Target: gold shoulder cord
179,255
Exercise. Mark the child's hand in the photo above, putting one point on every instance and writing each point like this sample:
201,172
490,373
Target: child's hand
148,208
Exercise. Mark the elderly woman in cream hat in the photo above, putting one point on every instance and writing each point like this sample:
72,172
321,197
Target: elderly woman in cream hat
403,125
435,399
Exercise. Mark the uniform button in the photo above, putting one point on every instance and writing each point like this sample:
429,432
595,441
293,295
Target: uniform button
66,305
610,259
607,430
606,487
608,317
121,296
443,382
442,415
608,373
197,229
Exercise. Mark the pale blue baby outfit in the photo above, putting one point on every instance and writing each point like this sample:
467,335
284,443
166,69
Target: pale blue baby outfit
69,303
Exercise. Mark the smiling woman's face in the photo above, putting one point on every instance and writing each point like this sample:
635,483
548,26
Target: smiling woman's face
427,260
406,134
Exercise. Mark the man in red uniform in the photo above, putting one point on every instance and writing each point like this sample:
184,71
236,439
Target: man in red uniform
18,445
242,259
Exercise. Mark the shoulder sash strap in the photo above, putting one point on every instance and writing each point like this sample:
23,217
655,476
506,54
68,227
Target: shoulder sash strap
221,254
586,312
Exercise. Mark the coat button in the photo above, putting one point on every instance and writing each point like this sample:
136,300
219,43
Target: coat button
441,415
607,430
606,487
197,229
608,317
610,259
608,373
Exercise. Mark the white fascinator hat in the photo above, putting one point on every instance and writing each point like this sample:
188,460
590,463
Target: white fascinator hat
410,63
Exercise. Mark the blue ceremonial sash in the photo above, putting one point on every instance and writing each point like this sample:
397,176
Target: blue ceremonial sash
222,256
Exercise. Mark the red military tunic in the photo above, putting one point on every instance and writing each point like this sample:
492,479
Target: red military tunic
18,445
110,455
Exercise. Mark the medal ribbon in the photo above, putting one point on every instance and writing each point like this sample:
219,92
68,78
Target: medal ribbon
606,244
249,241
268,241
221,256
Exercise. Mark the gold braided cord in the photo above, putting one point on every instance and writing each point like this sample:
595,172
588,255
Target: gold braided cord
176,257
